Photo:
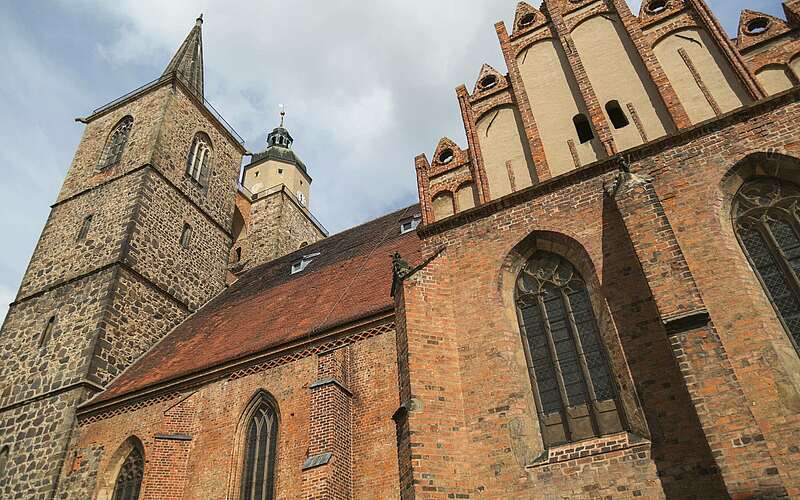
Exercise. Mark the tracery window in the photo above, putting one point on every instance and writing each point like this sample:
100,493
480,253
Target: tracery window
129,479
767,222
199,159
258,474
575,393
115,144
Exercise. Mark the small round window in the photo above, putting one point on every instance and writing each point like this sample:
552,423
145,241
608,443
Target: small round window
657,6
757,26
488,82
446,156
526,20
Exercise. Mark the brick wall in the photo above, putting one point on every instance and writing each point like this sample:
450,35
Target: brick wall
192,437
691,449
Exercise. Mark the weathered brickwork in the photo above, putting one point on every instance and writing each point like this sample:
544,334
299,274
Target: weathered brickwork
691,457
193,439
395,361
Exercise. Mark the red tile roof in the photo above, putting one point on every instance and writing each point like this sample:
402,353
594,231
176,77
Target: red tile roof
350,279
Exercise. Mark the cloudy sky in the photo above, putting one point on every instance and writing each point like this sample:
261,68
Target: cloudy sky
367,85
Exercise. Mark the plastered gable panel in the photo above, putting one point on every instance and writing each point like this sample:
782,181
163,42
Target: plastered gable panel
774,79
504,153
616,73
714,72
554,99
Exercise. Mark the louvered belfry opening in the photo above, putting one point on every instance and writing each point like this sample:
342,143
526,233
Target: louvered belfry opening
767,221
129,479
576,395
115,145
259,454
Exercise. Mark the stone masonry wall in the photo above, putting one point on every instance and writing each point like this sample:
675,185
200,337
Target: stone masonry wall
191,275
277,227
59,256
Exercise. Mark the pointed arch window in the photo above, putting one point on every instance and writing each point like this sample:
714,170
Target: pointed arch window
767,222
129,479
575,393
198,162
115,144
260,440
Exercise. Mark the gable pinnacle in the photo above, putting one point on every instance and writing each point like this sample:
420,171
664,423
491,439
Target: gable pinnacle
187,63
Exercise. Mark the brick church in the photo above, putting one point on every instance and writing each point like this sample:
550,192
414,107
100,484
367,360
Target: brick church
597,295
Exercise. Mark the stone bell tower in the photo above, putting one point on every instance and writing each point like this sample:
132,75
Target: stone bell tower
137,240
274,204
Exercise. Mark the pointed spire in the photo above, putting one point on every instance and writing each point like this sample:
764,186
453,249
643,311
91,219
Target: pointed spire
188,60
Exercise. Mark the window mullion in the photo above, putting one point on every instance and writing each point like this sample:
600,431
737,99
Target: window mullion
562,388
779,256
573,327
529,357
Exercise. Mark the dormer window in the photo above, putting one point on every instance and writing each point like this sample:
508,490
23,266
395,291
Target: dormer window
299,265
409,224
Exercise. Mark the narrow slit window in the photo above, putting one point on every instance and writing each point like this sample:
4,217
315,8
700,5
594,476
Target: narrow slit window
186,236
85,226
583,128
47,332
616,115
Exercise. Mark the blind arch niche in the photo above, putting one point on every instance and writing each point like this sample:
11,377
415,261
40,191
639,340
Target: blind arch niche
574,390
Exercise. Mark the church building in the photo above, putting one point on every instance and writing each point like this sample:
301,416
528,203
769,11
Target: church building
597,295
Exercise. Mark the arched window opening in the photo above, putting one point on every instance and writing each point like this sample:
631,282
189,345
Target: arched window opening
3,461
261,433
616,115
186,236
446,156
129,479
47,333
115,144
199,159
575,393
766,214
657,6
583,128
84,230
757,26
238,255
526,20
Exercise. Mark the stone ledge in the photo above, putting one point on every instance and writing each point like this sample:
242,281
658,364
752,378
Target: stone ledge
317,460
330,381
589,448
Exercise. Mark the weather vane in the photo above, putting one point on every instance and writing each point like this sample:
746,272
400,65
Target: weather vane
283,112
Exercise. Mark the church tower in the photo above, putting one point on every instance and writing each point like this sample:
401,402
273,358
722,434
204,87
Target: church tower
273,205
137,240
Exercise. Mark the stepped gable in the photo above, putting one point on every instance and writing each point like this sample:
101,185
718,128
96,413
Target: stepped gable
350,279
